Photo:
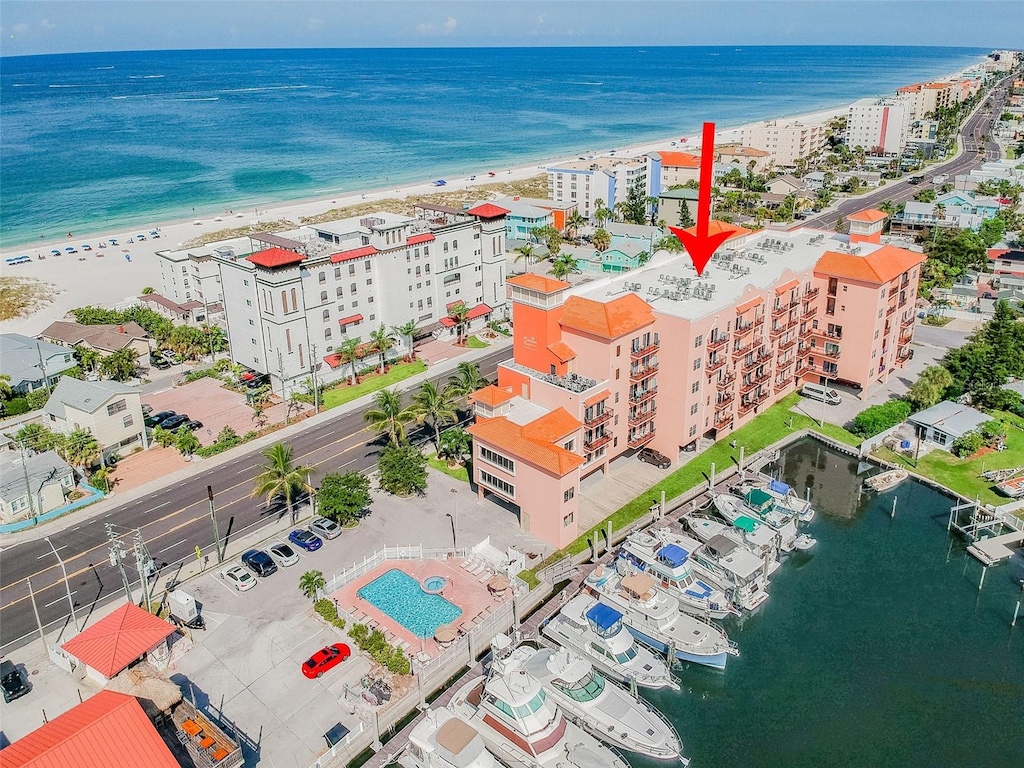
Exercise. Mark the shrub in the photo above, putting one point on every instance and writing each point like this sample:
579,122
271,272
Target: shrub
403,470
992,430
359,633
16,406
203,373
329,612
879,418
967,444
37,398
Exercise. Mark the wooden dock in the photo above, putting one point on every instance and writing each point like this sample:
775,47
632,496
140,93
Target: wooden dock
997,548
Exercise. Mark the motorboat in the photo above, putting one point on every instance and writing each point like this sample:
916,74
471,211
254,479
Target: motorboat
740,571
654,618
594,630
597,705
783,494
886,481
758,507
672,565
523,727
442,739
759,539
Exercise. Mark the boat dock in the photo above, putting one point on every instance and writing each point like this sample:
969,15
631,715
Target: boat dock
996,549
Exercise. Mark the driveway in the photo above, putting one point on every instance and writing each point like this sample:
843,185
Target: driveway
627,478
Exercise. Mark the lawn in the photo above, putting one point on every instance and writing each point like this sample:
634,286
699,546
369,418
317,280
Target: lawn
343,393
459,473
770,426
474,343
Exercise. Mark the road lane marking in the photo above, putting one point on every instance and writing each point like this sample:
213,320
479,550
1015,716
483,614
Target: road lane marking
61,599
154,509
171,546
48,554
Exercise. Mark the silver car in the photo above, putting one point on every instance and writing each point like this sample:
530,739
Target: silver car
327,529
283,554
240,578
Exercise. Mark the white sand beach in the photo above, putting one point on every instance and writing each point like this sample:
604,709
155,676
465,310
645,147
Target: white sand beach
106,277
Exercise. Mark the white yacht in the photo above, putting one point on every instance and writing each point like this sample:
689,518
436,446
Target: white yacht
442,739
672,564
600,707
654,618
594,630
759,539
740,571
785,497
523,727
742,513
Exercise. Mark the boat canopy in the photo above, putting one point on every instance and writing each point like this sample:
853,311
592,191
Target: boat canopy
745,523
758,499
779,487
603,616
673,554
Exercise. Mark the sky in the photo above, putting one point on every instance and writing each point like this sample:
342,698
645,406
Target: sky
65,26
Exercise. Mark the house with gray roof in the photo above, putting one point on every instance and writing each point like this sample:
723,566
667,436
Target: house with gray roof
946,421
31,363
110,410
33,484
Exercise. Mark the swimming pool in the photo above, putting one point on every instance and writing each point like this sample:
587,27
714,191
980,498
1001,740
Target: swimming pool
400,596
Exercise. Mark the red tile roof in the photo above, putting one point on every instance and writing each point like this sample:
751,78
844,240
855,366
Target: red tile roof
538,283
114,642
562,351
488,211
492,396
353,253
109,730
350,319
878,267
679,160
868,216
478,311
604,394
424,237
552,426
533,448
610,319
271,258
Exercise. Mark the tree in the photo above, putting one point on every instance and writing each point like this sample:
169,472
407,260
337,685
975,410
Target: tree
382,340
458,313
573,222
87,358
879,418
343,498
551,238
599,210
388,415
311,582
967,444
186,442
280,477
668,243
402,470
525,251
121,365
992,231
259,399
455,445
6,392
148,290
563,266
436,405
466,379
348,354
163,437
601,239
634,208
79,449
37,438
930,387
407,331
685,217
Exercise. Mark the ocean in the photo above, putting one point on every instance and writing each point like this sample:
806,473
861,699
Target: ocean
101,140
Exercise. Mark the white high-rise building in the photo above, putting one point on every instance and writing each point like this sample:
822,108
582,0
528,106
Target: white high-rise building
880,126
603,178
786,141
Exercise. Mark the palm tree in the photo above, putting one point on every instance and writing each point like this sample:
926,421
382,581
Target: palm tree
434,405
466,380
389,415
939,212
457,314
347,353
121,365
36,437
382,340
79,449
573,223
407,331
88,358
281,478
601,239
186,442
311,582
563,266
5,387
524,251
599,211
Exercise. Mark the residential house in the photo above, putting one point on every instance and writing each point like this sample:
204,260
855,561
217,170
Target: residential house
815,181
110,410
1007,262
32,364
522,219
670,206
944,422
962,210
119,640
105,339
33,484
747,158
787,184
189,313
560,211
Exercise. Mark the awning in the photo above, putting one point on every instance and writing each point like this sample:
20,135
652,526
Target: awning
673,554
748,305
603,616
604,394
757,498
745,523
788,286
350,319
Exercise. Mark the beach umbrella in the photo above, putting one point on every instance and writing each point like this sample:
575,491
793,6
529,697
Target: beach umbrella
198,223
55,252
218,219
446,634
498,584
70,249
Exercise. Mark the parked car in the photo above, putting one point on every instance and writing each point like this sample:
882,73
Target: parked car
326,659
651,456
146,409
192,424
239,578
12,681
306,540
821,392
172,423
259,562
170,356
328,529
257,381
153,419
283,554
155,361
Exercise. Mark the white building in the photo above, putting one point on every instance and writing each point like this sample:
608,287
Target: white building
190,274
110,410
786,141
603,178
880,126
291,299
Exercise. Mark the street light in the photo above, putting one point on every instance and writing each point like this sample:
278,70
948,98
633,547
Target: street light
455,520
67,584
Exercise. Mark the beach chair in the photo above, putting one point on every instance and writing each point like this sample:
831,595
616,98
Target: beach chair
475,568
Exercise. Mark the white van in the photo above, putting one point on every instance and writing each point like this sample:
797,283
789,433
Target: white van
820,392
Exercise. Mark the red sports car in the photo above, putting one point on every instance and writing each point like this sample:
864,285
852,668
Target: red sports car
325,659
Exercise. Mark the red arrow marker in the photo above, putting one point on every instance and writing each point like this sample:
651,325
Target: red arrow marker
701,246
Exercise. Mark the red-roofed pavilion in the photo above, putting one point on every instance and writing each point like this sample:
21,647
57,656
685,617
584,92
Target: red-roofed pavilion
114,642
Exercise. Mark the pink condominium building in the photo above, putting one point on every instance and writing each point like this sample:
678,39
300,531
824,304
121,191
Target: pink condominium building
662,358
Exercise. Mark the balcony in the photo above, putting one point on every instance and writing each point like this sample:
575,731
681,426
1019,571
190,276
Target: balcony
752,362
722,420
726,381
724,399
602,418
641,417
832,353
641,372
714,365
779,310
891,310
776,331
787,343
781,384
809,311
743,330
642,396
812,294
904,354
740,351
718,341
804,368
597,441
906,337
640,440
785,364
746,407
640,352
906,322
761,395
759,321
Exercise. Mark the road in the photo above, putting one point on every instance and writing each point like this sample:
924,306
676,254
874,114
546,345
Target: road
978,125
173,523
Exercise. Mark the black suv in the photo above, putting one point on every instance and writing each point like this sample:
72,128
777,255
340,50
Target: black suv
12,681
259,562
155,418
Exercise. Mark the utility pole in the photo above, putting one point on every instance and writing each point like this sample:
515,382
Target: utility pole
42,367
280,373
35,609
28,484
144,565
116,557
312,375
216,527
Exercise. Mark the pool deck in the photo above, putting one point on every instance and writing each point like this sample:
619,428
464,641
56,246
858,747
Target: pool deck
467,591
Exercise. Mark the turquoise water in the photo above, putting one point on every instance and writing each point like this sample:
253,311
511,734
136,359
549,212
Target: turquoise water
399,595
91,141
876,648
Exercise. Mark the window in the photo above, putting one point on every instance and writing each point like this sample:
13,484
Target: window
321,278
696,364
327,333
337,273
327,315
127,421
323,296
618,350
567,520
693,430
698,341
569,494
252,322
248,303
497,460
117,407
695,387
693,409
352,288
497,484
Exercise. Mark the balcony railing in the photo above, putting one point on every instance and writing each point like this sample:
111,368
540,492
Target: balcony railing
714,365
779,309
782,384
833,353
725,398
718,341
650,349
788,343
746,407
725,381
759,321
812,294
752,362
642,372
596,442
641,417
809,311
743,330
722,420
904,354
643,396
602,418
776,331
907,321
740,351
639,440
891,311
906,337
